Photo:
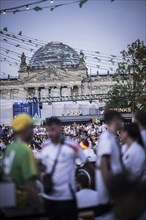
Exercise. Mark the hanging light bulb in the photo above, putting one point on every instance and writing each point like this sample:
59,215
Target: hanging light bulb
51,1
4,12
27,7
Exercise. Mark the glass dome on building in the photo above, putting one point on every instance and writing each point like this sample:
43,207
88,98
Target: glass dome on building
55,53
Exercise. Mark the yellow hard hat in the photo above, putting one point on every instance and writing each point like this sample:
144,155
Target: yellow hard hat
21,121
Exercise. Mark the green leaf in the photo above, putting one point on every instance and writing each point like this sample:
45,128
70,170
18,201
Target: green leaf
37,8
82,2
20,33
14,12
5,29
56,6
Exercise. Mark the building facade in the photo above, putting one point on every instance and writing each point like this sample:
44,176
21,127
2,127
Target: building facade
54,70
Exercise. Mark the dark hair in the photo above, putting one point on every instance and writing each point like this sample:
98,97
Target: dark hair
140,115
53,120
133,131
83,180
121,185
110,115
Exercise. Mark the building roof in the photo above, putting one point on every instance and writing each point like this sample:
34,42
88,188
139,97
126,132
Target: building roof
55,53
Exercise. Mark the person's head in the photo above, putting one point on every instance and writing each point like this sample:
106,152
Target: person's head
113,119
23,127
82,181
140,119
128,197
130,132
54,129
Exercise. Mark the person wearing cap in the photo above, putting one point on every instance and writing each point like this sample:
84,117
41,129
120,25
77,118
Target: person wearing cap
19,164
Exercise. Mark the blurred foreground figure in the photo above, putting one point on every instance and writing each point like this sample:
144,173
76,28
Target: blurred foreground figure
140,120
59,157
129,198
133,155
108,158
19,164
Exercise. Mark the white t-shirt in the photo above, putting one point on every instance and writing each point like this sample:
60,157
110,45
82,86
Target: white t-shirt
134,159
87,198
143,135
107,145
90,155
64,175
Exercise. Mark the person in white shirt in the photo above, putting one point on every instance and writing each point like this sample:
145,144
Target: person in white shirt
108,158
60,204
88,151
133,155
140,120
86,197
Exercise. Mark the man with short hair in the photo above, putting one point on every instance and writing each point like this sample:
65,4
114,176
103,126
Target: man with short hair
108,157
60,204
19,163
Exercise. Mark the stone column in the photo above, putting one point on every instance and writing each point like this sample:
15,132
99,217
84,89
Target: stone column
47,91
60,91
36,92
79,90
69,91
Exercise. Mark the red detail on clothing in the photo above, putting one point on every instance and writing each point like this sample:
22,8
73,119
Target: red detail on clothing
75,148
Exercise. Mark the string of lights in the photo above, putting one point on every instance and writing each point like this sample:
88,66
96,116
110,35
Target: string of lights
88,58
37,43
27,7
91,63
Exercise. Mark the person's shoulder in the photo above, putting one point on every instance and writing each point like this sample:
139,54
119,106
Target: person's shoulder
123,148
17,144
72,144
137,148
46,143
105,135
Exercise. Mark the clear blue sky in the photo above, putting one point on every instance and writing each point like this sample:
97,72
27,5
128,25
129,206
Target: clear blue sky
100,25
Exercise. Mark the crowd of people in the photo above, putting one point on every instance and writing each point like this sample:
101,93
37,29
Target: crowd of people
87,171
77,132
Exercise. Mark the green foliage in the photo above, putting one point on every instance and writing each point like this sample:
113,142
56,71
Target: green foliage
130,85
37,8
5,29
15,11
20,33
82,2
